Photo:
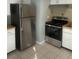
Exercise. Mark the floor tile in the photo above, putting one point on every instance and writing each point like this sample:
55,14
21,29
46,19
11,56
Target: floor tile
44,51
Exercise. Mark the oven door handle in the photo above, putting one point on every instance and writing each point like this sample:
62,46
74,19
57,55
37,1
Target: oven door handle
53,26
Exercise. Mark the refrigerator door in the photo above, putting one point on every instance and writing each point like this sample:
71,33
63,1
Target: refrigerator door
27,39
28,11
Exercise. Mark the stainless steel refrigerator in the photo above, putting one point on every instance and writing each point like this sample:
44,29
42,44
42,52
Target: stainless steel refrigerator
23,16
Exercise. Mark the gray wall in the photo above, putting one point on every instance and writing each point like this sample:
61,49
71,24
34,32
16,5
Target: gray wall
41,16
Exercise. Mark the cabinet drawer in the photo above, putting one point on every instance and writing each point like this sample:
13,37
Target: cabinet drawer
11,30
53,41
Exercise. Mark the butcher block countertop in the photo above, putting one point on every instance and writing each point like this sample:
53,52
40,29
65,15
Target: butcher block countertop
69,24
68,27
10,26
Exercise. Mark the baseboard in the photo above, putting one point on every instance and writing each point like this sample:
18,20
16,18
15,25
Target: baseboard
40,43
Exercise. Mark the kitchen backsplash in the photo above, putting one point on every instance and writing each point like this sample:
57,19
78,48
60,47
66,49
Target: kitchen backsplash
59,10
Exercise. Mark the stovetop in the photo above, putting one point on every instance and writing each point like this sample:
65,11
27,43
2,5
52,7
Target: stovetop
59,23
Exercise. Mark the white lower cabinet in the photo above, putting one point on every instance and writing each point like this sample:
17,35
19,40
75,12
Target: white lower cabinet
10,40
67,38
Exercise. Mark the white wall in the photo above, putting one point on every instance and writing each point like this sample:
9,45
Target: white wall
8,4
8,7
41,16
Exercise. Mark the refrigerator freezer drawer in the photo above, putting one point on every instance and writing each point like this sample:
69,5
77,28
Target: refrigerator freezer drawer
28,11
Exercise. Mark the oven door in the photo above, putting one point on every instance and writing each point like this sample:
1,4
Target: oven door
54,32
53,35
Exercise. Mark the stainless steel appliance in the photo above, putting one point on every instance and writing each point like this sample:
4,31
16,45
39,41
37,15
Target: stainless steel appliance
54,32
22,16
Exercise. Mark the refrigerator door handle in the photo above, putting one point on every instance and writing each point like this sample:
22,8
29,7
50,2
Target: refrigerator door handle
21,29
21,20
21,25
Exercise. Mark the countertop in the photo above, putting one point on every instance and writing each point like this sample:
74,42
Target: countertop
10,26
68,25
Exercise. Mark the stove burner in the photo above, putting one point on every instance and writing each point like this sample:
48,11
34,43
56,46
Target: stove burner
59,23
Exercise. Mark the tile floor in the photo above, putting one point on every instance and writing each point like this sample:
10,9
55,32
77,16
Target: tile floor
44,51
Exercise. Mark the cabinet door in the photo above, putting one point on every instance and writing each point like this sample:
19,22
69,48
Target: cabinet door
15,1
55,2
52,2
68,1
67,40
26,1
65,1
10,40
62,1
10,43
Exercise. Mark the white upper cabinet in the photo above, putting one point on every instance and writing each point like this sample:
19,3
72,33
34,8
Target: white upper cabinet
14,1
26,1
65,1
69,1
54,2
20,1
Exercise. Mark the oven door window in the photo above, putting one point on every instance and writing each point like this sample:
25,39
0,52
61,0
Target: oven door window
53,32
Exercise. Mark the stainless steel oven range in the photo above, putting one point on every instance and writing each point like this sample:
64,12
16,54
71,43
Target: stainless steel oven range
53,31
